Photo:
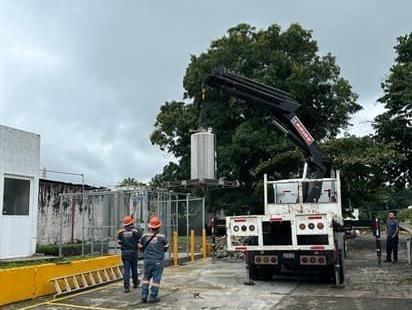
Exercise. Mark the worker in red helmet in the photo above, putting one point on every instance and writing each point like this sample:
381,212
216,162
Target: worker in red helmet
154,245
128,238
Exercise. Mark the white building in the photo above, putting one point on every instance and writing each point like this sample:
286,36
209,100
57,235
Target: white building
19,185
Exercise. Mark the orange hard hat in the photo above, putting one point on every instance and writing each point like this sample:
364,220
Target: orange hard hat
127,220
154,222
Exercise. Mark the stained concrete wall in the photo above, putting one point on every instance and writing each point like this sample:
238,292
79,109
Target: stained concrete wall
102,208
19,159
71,216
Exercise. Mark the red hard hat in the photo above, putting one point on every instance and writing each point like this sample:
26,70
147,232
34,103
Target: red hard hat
154,222
127,220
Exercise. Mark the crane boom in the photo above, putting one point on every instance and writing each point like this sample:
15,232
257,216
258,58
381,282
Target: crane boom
283,106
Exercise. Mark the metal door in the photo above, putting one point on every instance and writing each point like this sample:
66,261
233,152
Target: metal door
16,225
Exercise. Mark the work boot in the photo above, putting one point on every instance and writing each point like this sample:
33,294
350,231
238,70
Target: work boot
136,283
154,300
126,288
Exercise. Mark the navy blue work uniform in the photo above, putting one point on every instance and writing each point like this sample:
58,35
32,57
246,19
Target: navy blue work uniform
392,239
154,253
128,239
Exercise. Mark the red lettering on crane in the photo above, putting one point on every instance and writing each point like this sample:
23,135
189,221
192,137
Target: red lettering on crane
301,129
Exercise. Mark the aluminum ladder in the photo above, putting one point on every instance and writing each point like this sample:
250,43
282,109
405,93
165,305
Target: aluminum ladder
84,280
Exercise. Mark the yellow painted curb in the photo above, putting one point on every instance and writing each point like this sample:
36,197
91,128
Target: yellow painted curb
18,284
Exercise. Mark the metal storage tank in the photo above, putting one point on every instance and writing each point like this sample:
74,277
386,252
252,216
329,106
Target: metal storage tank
202,156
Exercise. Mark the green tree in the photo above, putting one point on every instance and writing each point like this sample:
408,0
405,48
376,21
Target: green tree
362,163
248,144
394,125
130,182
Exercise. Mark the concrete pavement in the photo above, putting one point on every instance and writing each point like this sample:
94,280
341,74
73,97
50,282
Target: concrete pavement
219,285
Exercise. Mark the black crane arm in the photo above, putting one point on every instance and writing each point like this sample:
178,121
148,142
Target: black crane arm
284,108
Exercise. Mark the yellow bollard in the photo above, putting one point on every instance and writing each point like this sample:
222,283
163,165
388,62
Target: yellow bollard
204,243
175,249
192,245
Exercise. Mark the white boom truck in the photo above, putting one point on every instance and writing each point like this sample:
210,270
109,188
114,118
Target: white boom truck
302,228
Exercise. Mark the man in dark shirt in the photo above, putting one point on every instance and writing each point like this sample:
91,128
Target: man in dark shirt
392,230
154,245
128,238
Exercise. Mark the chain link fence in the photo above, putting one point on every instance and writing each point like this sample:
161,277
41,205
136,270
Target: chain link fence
89,222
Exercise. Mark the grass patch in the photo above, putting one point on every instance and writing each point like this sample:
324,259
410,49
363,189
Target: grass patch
71,249
5,265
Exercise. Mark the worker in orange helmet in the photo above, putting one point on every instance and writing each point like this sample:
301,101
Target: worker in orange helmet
128,239
153,245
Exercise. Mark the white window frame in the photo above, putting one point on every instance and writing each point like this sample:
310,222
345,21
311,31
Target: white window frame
18,177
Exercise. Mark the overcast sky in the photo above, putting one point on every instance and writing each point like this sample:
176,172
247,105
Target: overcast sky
90,76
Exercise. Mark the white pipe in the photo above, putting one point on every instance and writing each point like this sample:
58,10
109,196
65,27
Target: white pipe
265,190
305,170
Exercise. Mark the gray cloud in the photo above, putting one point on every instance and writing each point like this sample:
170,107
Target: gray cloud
90,76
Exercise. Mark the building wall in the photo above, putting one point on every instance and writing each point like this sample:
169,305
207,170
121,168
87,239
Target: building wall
103,210
71,216
19,159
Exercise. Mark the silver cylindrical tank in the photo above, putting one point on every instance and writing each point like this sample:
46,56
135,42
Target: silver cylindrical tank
202,156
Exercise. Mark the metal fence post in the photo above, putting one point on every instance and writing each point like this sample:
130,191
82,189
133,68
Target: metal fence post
61,227
204,243
83,236
158,204
83,210
116,220
101,240
92,232
187,224
192,245
169,220
177,213
203,213
175,248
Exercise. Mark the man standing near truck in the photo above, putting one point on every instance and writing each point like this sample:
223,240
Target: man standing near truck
153,245
392,238
128,239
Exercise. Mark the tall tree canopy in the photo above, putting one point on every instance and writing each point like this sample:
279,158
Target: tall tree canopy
362,163
130,182
395,125
248,144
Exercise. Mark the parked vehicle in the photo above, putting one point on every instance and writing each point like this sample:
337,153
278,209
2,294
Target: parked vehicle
302,227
